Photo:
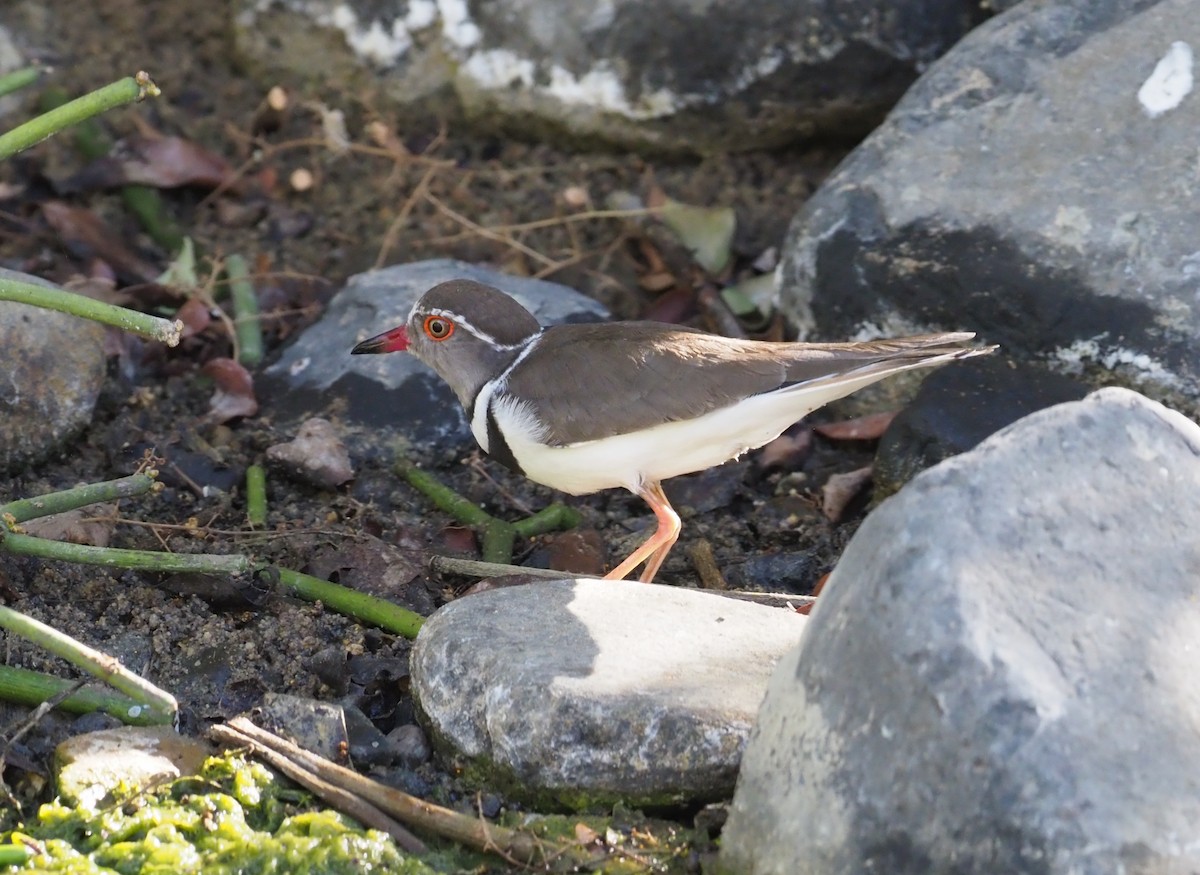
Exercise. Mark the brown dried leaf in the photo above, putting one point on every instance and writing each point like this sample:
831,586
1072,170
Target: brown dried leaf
787,451
195,316
161,162
317,454
87,236
91,526
234,395
865,428
841,489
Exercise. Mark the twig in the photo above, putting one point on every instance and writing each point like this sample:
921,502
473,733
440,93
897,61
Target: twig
120,93
508,241
705,563
361,810
141,324
473,832
247,324
475,568
158,706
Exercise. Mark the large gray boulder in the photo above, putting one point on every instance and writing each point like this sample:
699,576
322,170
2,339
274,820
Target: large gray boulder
1037,184
676,75
1001,673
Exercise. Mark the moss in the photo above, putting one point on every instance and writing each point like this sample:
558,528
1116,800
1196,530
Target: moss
235,817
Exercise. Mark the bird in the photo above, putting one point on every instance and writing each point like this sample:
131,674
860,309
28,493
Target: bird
592,406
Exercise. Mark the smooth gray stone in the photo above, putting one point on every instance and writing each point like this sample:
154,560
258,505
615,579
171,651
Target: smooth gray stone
1034,185
54,367
1001,673
394,393
591,690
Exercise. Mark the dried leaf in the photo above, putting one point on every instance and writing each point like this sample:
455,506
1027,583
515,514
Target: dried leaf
161,162
707,232
87,236
788,451
865,428
92,525
234,395
195,316
841,489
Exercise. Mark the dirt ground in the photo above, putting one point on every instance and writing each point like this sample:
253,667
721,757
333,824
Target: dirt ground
215,647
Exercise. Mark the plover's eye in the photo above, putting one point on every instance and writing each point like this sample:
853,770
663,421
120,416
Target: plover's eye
438,327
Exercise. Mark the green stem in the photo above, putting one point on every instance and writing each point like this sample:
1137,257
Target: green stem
111,557
18,79
256,495
245,311
158,705
359,605
81,496
556,517
498,540
142,324
144,202
443,497
120,93
31,688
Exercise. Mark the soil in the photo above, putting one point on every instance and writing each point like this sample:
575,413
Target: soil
218,646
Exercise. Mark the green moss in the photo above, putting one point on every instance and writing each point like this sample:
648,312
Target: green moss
235,817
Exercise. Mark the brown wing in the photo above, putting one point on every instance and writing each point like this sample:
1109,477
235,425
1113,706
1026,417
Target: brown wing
607,379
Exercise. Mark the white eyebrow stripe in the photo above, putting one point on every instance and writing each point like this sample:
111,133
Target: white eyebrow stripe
459,319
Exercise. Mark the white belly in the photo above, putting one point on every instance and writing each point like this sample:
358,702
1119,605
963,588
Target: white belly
657,453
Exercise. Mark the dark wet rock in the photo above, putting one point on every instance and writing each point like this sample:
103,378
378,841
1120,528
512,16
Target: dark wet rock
581,691
394,394
368,746
957,407
649,74
1000,674
410,744
53,370
316,726
776,572
1028,186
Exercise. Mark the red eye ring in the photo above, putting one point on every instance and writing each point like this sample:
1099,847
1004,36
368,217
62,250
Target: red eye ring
438,327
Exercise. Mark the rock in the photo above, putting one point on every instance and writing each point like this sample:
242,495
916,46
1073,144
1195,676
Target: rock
1026,188
316,455
583,691
394,393
411,745
959,406
672,75
1001,675
54,367
90,766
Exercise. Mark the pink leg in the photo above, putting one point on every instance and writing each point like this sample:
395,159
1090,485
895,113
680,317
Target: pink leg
658,545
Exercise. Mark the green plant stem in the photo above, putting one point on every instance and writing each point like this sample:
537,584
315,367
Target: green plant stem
120,93
111,557
158,704
81,496
142,201
498,536
358,605
256,495
18,79
142,324
246,321
31,688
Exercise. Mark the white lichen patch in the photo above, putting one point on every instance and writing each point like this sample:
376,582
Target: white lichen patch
1170,82
1139,364
373,42
599,88
458,29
